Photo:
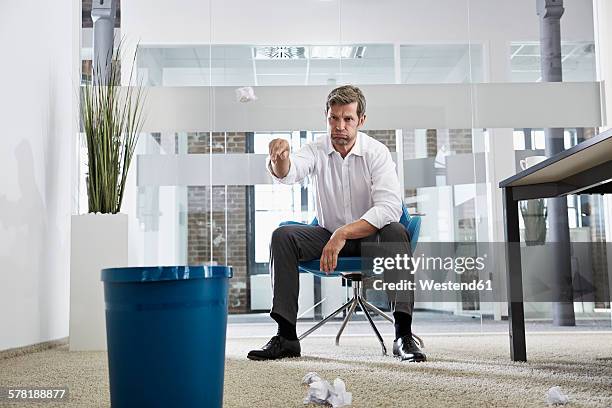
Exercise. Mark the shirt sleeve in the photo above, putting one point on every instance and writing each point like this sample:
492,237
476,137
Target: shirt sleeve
386,196
301,164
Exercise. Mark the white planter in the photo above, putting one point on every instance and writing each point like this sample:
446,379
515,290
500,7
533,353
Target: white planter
97,241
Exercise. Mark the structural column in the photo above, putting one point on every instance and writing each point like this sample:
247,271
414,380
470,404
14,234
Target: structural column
550,12
103,16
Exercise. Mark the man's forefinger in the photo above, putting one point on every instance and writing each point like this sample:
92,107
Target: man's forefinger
325,264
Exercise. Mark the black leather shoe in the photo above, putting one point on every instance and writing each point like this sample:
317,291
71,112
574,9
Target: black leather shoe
277,347
406,349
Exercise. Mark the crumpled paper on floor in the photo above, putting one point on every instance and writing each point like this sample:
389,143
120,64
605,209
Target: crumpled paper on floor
311,377
554,396
245,94
322,392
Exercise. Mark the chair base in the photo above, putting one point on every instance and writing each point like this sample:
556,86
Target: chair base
351,305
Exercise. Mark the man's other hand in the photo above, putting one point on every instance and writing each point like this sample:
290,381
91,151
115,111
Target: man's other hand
279,150
329,256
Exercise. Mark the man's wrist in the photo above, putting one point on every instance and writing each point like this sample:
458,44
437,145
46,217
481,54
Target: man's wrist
341,233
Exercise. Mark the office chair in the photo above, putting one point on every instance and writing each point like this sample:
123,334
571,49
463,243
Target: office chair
350,268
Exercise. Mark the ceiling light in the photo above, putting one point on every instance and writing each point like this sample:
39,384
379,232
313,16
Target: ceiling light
336,52
282,52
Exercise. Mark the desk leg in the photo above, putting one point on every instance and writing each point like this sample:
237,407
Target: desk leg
516,315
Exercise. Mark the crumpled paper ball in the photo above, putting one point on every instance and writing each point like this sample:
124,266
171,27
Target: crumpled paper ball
310,378
246,94
322,392
554,396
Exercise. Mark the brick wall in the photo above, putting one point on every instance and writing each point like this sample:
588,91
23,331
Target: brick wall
217,231
431,136
386,137
460,140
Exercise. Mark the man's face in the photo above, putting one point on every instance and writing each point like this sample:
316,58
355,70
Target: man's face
343,125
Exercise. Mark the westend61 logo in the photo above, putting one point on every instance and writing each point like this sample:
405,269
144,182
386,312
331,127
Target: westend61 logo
428,263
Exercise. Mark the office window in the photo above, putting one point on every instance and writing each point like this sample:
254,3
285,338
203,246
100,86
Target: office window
441,63
261,65
578,59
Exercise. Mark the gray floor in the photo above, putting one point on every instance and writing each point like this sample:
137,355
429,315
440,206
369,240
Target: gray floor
425,323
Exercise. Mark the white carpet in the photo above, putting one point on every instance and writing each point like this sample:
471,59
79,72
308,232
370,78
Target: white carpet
462,371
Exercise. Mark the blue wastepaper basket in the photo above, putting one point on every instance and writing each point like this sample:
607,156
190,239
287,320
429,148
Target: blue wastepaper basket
165,331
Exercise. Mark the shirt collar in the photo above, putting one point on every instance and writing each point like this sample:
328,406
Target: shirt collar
356,150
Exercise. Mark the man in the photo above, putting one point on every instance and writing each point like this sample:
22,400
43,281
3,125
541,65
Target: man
358,199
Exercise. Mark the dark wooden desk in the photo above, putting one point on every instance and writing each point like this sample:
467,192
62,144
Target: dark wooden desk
583,169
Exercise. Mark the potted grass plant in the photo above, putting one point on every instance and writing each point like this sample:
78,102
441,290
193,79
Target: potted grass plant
111,120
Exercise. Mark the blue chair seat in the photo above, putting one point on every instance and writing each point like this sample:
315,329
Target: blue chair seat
345,265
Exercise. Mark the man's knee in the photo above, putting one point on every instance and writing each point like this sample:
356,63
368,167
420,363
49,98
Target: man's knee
283,235
393,232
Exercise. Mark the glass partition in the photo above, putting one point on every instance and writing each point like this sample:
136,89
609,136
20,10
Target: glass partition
515,56
444,87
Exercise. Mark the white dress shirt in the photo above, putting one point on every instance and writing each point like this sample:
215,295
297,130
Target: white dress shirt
364,185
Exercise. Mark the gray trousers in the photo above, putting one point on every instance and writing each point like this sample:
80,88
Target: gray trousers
292,244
